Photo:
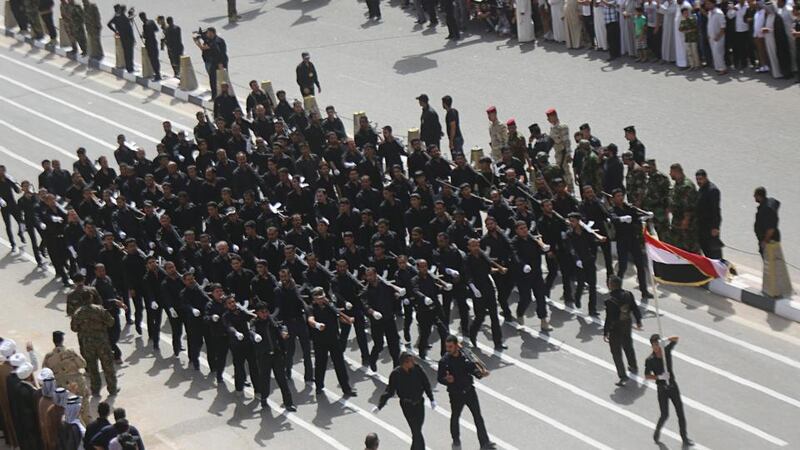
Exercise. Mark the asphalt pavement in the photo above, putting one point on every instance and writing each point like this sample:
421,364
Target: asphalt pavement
736,366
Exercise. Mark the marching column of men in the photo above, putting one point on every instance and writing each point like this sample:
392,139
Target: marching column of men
303,238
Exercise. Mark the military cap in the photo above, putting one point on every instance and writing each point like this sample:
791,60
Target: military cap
317,291
574,215
584,126
423,97
261,306
630,129
511,122
491,109
551,111
534,128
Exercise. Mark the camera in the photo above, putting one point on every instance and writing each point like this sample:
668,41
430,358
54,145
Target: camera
200,34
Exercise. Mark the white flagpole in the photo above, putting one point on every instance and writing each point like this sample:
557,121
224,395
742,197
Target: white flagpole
655,297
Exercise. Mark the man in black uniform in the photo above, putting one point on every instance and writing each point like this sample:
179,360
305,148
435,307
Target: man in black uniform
171,288
429,310
478,268
528,257
193,301
667,386
120,24
629,239
240,340
347,292
592,210
497,245
617,327
409,382
307,77
151,285
379,301
635,146
430,129
323,318
174,43
268,337
583,253
450,263
709,217
456,371
217,337
292,311
8,206
149,30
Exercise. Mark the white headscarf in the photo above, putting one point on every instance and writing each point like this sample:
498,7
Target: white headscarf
72,413
60,397
24,371
8,347
17,359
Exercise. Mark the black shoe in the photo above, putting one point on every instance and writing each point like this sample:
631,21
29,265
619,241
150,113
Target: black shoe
500,347
350,393
129,321
688,442
196,365
622,381
219,379
646,295
247,384
657,436
489,446
633,370
139,329
157,78
320,390
263,402
291,408
113,393
457,442
155,346
474,341
594,313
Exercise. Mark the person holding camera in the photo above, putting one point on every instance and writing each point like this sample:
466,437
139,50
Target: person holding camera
215,54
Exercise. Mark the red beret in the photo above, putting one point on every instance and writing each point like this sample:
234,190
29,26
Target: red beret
491,109
511,121
550,111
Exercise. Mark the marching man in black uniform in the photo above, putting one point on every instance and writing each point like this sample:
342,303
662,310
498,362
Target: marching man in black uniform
378,301
667,386
457,371
478,274
429,310
347,291
617,327
629,239
323,318
268,337
240,341
409,382
583,248
528,257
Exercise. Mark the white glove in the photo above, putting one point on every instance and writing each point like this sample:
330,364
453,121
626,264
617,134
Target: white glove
169,250
42,226
406,302
401,292
153,305
72,251
2,203
433,404
475,291
215,318
375,410
626,219
348,306
433,269
349,164
377,315
385,274
579,263
173,313
246,304
546,248
57,219
428,301
451,272
152,245
235,248
257,337
664,376
82,271
181,158
526,268
448,287
563,235
488,250
336,172
319,326
123,235
239,336
195,312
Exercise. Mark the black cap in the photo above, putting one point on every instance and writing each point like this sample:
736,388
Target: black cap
584,126
58,335
423,97
261,306
701,173
574,215
630,129
78,277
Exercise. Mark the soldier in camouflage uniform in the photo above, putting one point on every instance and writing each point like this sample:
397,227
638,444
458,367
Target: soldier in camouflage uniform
635,180
32,11
66,24
76,28
93,26
517,142
656,198
92,322
559,133
498,134
591,169
67,366
549,172
682,199
80,295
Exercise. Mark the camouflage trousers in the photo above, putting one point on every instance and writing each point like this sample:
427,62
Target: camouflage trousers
95,47
94,352
32,11
684,238
80,389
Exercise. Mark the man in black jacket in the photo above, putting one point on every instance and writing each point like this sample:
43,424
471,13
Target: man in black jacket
307,76
617,327
430,129
409,382
149,30
708,216
268,337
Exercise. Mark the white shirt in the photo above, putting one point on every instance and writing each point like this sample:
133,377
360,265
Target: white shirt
586,9
758,23
739,12
716,22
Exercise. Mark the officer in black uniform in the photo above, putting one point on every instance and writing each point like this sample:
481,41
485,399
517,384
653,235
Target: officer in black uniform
171,288
628,233
323,318
240,340
149,30
456,371
269,336
409,382
528,258
154,305
617,327
292,312
379,301
120,24
478,276
402,277
217,337
450,263
592,210
429,310
497,245
193,301
347,290
583,253
667,386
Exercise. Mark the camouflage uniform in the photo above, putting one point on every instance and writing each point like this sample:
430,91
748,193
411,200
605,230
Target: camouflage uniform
92,322
93,27
681,204
86,295
656,200
550,173
67,366
65,27
519,146
498,135
563,154
32,11
592,171
635,185
76,29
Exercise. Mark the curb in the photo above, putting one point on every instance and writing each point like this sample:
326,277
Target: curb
737,289
165,86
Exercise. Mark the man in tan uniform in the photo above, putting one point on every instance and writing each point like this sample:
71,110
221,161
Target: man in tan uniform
498,134
559,133
67,366
80,295
7,348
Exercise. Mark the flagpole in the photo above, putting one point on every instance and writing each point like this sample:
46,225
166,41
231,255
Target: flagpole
655,297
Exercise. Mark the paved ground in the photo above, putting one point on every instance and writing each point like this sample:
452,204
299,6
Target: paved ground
736,367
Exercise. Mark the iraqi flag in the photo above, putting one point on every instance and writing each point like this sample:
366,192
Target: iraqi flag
672,265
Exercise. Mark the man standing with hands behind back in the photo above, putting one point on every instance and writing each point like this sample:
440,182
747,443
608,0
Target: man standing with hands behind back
307,76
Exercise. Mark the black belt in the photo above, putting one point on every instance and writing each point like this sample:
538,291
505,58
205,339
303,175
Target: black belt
411,401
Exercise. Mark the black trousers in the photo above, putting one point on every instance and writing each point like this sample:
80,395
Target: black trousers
461,303
504,285
374,8
9,212
626,248
18,11
195,336
58,256
175,61
607,257
298,329
408,319
324,348
710,245
385,330
154,323
612,34
526,283
37,252
114,332
361,334
426,320
430,9
741,42
127,51
217,353
469,399
243,354
621,341
414,413
47,19
562,262
176,325
586,275
452,24
486,306
274,363
137,301
667,393
152,55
